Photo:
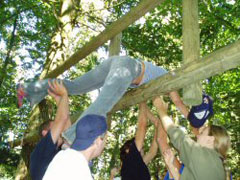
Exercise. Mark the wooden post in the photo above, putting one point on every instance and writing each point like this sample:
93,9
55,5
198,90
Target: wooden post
115,45
192,94
114,50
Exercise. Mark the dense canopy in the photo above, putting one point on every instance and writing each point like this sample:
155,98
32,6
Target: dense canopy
37,36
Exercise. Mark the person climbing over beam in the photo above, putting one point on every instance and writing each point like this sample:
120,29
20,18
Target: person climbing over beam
114,76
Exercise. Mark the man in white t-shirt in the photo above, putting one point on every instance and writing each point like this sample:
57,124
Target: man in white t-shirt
89,144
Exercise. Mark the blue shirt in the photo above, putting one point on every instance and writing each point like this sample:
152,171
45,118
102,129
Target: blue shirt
180,171
41,156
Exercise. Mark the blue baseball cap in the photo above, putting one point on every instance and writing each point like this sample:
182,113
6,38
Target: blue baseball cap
200,113
87,130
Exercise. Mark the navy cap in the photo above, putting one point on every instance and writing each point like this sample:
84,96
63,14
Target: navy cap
87,130
200,113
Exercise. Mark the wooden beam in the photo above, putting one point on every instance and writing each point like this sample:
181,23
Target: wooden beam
111,31
215,63
192,93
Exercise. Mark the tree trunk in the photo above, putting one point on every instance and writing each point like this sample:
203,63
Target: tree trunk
58,51
192,93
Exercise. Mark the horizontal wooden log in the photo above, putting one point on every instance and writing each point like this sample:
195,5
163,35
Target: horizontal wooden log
215,63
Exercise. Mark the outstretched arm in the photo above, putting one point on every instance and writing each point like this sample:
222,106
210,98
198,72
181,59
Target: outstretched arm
164,147
163,143
169,159
62,120
176,99
152,151
114,172
161,133
161,106
142,126
182,108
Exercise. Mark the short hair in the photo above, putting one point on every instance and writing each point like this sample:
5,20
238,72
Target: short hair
124,150
44,126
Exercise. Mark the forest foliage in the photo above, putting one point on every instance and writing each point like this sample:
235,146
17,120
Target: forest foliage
28,35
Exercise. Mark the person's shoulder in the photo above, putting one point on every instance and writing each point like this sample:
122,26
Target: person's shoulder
210,155
41,144
45,147
71,155
48,140
174,129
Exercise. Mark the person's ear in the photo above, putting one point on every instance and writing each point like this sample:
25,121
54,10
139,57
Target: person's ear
97,141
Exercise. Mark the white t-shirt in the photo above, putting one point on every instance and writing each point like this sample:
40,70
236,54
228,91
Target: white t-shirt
68,164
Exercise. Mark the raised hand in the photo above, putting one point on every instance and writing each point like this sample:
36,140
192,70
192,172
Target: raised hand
57,90
160,104
169,159
168,156
114,172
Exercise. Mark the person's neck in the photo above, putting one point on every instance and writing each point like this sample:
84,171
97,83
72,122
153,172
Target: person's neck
88,154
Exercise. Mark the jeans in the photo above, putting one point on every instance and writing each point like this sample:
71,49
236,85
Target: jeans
114,75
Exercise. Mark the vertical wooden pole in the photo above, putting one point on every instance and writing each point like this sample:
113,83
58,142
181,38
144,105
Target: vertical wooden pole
114,50
115,45
192,94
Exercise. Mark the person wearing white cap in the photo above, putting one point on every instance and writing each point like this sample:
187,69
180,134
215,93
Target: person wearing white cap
114,76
